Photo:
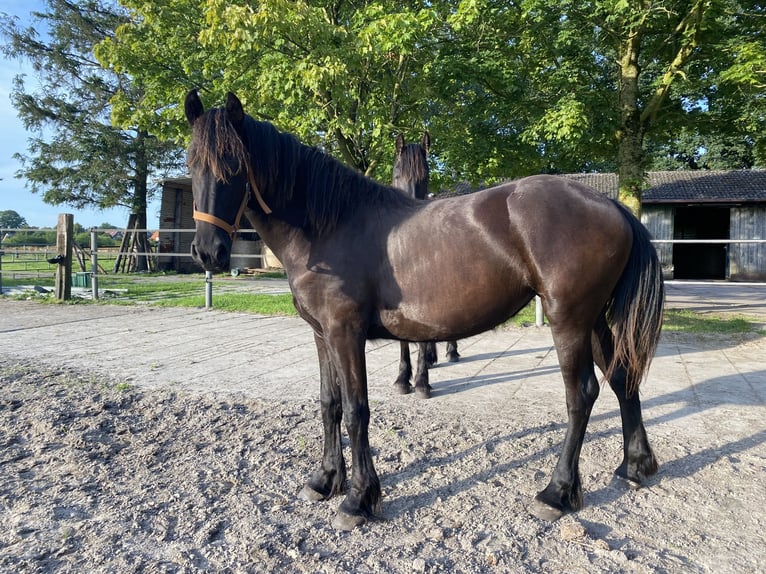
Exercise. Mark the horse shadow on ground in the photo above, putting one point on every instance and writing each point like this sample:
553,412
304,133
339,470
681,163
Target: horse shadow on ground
730,390
492,356
453,386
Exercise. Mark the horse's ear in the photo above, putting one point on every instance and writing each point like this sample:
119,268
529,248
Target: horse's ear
426,141
234,109
193,107
399,144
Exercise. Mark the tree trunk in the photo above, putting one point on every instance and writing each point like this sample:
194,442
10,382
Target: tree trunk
630,136
140,201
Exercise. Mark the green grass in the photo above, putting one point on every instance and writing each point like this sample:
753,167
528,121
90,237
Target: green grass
682,321
147,290
524,317
240,302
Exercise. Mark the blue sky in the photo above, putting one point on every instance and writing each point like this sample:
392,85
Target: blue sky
14,192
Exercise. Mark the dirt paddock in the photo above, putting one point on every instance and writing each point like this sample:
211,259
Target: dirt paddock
101,473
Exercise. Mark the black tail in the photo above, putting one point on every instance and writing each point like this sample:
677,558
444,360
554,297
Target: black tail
635,309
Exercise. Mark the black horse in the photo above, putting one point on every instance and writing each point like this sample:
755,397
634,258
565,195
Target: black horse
346,243
411,175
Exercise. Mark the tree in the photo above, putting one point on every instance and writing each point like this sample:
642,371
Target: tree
608,81
505,88
9,219
337,74
76,156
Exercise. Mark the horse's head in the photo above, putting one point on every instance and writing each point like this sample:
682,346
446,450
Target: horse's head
411,167
218,162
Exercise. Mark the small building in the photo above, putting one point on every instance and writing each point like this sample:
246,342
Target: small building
175,217
708,205
702,205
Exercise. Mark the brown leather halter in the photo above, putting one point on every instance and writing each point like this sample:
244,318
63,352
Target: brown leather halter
232,229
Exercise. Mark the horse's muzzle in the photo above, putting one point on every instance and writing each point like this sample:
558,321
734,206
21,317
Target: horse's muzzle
214,258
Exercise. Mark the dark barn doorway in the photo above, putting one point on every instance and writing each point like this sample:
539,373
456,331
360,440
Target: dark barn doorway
704,260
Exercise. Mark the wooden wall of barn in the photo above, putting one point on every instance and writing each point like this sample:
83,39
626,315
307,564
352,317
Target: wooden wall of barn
176,213
658,219
747,261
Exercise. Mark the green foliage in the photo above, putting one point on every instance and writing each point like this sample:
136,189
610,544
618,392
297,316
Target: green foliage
10,219
37,237
75,156
102,240
506,89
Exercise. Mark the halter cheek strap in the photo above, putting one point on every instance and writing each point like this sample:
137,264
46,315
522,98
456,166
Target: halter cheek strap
232,229
257,192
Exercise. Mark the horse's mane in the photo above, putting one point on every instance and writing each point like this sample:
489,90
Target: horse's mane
301,184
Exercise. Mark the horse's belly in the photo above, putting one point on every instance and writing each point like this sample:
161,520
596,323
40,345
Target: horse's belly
447,319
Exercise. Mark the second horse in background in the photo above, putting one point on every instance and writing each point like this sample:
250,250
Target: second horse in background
411,175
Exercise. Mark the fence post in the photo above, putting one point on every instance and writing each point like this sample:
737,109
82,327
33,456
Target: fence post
94,263
539,317
1,260
64,240
208,289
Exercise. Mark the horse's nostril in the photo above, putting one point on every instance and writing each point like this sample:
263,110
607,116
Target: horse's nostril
195,253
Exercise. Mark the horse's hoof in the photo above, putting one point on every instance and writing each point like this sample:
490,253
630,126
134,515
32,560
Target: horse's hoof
544,511
629,482
423,392
403,389
453,358
310,495
347,522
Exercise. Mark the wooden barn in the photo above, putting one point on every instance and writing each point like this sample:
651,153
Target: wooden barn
702,205
175,215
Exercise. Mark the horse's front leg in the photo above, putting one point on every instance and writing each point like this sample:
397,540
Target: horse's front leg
564,492
329,478
362,502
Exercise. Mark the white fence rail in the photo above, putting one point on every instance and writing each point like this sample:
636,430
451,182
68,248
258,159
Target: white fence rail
49,252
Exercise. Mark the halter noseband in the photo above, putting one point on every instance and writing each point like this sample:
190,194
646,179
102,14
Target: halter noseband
232,229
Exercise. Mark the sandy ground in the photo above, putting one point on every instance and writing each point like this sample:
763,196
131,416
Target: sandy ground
114,466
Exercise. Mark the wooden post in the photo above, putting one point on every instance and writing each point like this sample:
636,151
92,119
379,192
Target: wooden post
94,263
64,240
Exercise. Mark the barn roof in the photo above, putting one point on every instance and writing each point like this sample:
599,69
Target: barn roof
700,186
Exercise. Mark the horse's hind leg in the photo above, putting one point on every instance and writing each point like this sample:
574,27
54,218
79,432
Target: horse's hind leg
638,460
329,479
430,353
452,355
564,492
422,388
402,383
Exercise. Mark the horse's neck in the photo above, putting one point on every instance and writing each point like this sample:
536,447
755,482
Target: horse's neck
275,233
